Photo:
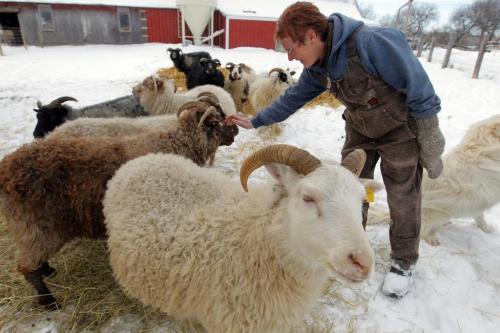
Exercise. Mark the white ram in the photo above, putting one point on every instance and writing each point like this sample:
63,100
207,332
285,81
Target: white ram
191,243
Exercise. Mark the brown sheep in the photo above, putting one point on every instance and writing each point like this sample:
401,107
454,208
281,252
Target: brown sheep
51,190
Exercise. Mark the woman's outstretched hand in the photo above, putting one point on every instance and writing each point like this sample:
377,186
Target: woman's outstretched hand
241,121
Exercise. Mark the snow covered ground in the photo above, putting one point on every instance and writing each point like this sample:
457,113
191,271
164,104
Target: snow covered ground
457,283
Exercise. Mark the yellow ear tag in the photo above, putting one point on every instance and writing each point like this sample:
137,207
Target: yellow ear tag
370,195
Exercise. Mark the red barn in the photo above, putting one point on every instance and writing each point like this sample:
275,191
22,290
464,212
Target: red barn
253,23
231,23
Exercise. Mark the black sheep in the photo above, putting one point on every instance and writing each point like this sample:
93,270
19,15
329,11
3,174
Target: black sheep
205,73
184,62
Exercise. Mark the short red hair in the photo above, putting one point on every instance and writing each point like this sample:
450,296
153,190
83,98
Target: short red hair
298,18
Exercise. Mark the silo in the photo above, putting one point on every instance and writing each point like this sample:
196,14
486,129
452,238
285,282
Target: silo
197,14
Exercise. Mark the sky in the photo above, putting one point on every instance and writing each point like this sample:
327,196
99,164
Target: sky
456,284
445,7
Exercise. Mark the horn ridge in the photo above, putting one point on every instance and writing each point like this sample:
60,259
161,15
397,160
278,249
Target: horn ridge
60,100
276,69
298,159
355,161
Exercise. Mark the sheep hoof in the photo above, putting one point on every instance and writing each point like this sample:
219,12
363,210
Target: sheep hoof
46,270
49,302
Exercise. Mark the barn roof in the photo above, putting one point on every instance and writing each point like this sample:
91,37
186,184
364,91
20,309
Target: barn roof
245,9
272,9
120,3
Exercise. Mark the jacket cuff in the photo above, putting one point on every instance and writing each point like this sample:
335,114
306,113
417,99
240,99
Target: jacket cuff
256,122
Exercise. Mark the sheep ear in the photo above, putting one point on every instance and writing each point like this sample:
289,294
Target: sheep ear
195,104
283,174
170,49
159,83
187,113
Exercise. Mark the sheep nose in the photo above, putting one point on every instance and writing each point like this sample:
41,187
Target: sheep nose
362,263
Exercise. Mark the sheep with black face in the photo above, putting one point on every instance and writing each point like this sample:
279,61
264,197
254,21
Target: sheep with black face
267,88
184,62
205,73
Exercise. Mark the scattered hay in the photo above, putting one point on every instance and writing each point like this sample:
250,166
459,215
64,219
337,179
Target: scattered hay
270,133
173,74
93,302
326,99
179,77
246,108
84,286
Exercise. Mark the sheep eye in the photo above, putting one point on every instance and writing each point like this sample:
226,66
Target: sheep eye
308,199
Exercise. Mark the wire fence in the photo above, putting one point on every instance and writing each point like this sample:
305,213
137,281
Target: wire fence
11,36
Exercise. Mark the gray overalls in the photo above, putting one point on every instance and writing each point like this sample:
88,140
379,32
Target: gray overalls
377,120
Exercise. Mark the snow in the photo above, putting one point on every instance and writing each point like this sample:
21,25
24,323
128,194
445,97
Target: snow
456,284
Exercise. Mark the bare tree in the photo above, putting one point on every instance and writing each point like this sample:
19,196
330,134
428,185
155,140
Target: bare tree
485,15
461,22
420,15
366,10
387,21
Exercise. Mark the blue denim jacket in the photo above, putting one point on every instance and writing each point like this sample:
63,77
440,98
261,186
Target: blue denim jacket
384,52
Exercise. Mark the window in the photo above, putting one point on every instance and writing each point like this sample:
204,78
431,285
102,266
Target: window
124,19
45,14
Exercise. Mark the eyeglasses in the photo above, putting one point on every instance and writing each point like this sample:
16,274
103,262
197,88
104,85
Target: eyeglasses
291,48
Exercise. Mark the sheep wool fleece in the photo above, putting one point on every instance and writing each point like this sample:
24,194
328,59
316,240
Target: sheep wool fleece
377,119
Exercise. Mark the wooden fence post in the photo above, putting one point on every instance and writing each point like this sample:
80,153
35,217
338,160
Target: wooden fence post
447,55
429,55
23,36
420,46
480,56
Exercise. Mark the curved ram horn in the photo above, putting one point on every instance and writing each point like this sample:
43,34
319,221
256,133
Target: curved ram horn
170,49
209,111
355,161
230,65
191,104
209,98
276,69
60,100
298,159
216,61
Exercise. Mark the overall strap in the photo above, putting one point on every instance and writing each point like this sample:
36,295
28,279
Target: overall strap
351,42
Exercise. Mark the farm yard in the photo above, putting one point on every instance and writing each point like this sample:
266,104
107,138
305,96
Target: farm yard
456,285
